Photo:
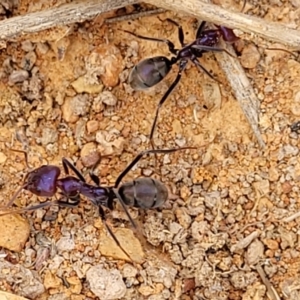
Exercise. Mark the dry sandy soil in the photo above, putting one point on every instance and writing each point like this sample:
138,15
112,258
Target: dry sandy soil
226,230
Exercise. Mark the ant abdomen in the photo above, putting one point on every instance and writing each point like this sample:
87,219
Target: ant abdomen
149,72
144,193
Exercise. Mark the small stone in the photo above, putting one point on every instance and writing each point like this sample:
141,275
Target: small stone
15,232
255,252
76,285
108,247
42,48
92,126
295,108
183,217
97,104
296,3
18,76
146,290
49,136
176,127
271,244
105,147
78,297
212,95
189,284
9,296
89,154
106,284
3,158
126,131
286,187
273,174
65,244
75,107
108,98
129,271
27,46
28,61
51,281
250,56
110,59
185,192
81,85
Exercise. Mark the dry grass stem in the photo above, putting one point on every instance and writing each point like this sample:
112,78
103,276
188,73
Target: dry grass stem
242,89
271,292
62,15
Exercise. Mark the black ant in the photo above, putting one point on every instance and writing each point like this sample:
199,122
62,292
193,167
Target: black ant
151,71
142,192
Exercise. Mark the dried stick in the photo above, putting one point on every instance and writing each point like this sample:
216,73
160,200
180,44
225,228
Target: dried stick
271,292
62,15
242,89
212,13
292,217
135,15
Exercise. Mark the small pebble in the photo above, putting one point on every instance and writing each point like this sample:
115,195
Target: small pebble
18,76
92,126
27,46
89,154
106,284
108,98
250,56
13,226
110,59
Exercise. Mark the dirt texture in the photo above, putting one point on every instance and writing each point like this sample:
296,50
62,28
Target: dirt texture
230,228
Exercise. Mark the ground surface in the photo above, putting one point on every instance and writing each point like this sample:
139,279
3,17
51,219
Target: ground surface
64,93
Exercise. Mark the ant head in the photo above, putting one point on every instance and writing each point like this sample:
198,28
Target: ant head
42,181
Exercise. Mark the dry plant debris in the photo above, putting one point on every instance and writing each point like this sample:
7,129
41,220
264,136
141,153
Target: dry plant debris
230,229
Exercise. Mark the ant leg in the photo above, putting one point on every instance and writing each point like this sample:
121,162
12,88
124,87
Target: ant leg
25,155
103,218
12,200
143,153
70,201
95,178
200,29
115,190
199,66
213,49
182,66
180,31
42,205
166,41
30,208
67,165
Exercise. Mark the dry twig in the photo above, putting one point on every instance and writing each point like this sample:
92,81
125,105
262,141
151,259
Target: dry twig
62,15
242,89
215,14
292,217
271,292
135,15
